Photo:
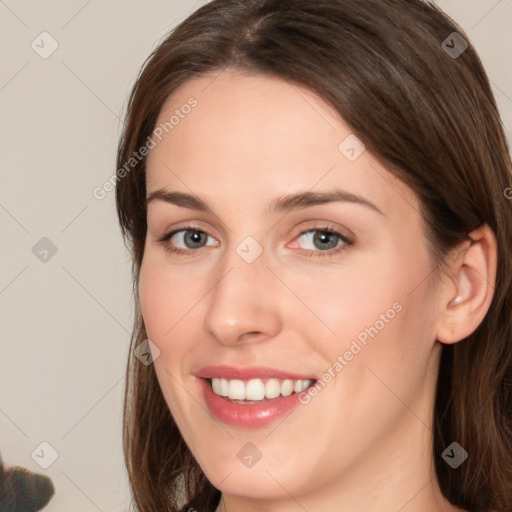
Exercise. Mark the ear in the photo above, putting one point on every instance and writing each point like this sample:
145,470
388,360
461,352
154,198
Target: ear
467,298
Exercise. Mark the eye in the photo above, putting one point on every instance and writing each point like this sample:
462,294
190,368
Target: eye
186,239
322,240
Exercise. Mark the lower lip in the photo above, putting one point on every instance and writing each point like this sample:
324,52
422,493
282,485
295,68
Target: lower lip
253,415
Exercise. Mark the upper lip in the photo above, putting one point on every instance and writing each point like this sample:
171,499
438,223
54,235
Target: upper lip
247,373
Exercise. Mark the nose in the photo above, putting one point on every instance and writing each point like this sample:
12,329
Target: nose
244,302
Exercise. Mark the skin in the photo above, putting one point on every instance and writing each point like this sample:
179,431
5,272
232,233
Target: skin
364,442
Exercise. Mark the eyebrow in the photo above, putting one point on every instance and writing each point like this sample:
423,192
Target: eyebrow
282,204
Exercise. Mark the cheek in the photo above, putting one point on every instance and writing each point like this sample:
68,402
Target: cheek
345,303
165,302
165,296
161,302
153,300
378,310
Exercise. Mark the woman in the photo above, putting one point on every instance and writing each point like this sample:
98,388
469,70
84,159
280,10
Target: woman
314,194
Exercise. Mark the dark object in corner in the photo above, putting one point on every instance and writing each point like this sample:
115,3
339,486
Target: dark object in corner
23,491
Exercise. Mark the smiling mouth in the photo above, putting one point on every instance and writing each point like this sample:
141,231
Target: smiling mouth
257,390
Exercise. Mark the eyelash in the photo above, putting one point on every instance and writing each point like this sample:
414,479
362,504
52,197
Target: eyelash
314,254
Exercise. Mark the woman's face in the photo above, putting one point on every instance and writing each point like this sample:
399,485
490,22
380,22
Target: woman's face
301,258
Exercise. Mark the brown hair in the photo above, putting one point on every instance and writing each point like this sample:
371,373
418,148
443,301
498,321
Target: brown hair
431,118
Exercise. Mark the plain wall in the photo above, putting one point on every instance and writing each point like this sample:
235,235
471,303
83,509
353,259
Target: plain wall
65,322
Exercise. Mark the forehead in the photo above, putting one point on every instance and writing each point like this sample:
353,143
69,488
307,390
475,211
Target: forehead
254,130
249,112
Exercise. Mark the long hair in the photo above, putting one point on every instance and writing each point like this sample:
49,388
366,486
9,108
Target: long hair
427,112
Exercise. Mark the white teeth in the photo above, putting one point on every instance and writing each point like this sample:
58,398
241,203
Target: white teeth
236,390
216,386
220,386
224,387
272,388
287,387
256,389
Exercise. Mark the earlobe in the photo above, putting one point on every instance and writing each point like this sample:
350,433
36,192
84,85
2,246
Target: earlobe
474,276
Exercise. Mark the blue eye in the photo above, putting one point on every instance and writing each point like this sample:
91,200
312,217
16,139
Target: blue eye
185,239
323,240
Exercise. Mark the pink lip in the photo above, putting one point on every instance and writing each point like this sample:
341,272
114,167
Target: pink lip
252,415
253,372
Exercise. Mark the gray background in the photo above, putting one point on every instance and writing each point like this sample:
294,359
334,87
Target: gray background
65,322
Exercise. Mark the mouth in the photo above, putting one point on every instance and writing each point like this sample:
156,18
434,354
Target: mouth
251,397
257,390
